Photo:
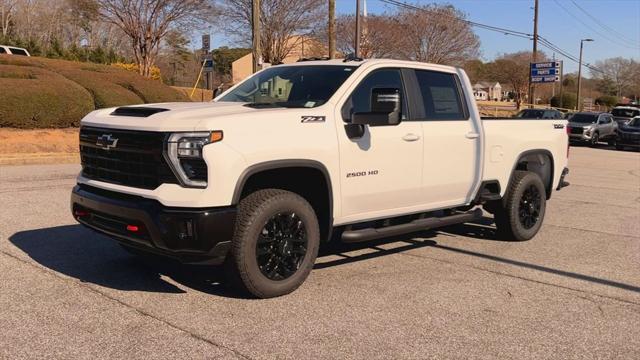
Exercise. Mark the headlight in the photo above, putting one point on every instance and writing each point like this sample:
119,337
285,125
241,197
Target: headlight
184,154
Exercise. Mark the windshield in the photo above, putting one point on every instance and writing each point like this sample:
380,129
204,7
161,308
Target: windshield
635,122
530,113
291,86
584,118
625,112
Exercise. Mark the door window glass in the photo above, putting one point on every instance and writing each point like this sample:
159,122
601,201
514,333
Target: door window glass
360,99
441,95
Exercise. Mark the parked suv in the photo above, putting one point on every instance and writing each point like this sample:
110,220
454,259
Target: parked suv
540,114
629,134
12,50
624,114
592,127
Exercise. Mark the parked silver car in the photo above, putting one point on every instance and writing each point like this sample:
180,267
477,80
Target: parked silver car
592,127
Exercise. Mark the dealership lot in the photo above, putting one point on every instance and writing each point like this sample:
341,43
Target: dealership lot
571,292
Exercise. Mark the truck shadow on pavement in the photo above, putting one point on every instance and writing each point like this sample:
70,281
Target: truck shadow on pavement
79,253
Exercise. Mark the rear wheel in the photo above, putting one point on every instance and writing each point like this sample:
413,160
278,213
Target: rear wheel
522,211
275,243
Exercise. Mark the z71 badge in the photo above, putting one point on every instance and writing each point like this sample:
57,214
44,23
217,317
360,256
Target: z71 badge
312,119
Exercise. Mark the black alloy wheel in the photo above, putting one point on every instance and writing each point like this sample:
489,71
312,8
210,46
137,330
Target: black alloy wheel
529,207
281,246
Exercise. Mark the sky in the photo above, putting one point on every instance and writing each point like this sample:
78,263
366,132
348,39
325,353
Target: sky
616,31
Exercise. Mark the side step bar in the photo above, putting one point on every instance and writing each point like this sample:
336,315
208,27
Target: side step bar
353,236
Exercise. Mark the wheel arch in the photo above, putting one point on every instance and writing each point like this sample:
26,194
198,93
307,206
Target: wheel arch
269,174
539,161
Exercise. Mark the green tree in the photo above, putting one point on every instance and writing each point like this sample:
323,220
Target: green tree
607,100
224,56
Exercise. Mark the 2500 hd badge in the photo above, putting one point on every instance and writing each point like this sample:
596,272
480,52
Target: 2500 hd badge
362,173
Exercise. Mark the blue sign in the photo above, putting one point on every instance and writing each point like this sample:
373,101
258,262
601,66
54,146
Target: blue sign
545,79
545,72
546,65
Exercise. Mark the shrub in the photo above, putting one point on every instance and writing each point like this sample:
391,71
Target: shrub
61,92
568,101
40,99
607,100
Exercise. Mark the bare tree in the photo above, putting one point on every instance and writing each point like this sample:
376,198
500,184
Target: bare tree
619,71
147,22
381,36
280,22
513,69
437,34
6,14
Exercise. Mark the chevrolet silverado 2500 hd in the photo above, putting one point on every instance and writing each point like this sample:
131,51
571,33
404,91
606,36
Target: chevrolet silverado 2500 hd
299,154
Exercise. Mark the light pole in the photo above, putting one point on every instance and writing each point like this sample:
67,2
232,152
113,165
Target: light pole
579,104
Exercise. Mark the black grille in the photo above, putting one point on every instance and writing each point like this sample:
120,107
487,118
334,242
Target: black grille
576,130
136,160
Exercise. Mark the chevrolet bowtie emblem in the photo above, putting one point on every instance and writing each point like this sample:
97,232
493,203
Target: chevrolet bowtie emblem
106,142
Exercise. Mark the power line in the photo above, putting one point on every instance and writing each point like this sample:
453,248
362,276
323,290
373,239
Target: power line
605,26
589,27
544,42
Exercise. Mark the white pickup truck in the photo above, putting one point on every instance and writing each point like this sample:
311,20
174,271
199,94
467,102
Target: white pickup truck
300,154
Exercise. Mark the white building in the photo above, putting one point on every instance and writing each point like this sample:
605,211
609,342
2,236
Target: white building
488,91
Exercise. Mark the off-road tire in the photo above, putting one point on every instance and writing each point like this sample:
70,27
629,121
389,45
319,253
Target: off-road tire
254,211
507,214
595,139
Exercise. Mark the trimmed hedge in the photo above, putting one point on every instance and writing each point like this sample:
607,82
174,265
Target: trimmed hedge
37,98
45,93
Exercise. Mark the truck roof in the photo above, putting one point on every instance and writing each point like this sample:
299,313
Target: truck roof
342,62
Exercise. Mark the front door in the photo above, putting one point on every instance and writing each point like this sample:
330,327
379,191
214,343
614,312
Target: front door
381,172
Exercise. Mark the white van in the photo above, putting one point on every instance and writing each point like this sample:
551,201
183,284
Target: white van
12,50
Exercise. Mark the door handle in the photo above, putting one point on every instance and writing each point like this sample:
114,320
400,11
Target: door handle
411,137
472,135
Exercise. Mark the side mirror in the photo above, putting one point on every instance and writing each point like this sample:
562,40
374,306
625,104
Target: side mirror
386,108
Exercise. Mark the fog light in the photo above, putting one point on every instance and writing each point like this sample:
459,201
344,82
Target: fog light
133,228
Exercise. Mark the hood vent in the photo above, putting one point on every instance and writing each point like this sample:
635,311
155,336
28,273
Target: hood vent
137,111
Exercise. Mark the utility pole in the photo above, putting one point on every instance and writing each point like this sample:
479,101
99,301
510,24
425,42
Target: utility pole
332,29
358,31
255,31
578,103
532,92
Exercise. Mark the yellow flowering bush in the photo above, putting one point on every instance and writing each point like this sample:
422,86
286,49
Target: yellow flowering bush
155,71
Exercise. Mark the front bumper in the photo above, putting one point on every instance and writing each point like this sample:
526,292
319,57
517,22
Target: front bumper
195,236
580,137
630,140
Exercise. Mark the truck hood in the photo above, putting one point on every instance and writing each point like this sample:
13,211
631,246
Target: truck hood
181,116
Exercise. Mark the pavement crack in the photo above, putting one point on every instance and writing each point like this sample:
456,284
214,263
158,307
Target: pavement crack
133,308
592,231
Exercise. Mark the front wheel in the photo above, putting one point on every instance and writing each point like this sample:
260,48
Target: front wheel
275,243
521,212
595,139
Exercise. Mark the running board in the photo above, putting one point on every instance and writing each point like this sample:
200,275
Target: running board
353,236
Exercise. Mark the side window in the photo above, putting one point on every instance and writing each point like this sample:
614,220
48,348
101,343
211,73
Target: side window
2,50
360,99
440,95
16,51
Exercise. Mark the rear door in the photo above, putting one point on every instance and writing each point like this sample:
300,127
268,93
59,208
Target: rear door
451,145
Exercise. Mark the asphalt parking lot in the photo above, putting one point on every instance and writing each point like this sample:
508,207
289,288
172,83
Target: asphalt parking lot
571,292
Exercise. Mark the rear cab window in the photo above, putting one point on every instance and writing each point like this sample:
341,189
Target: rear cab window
440,96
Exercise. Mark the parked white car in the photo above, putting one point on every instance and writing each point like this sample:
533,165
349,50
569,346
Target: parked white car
12,50
299,154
